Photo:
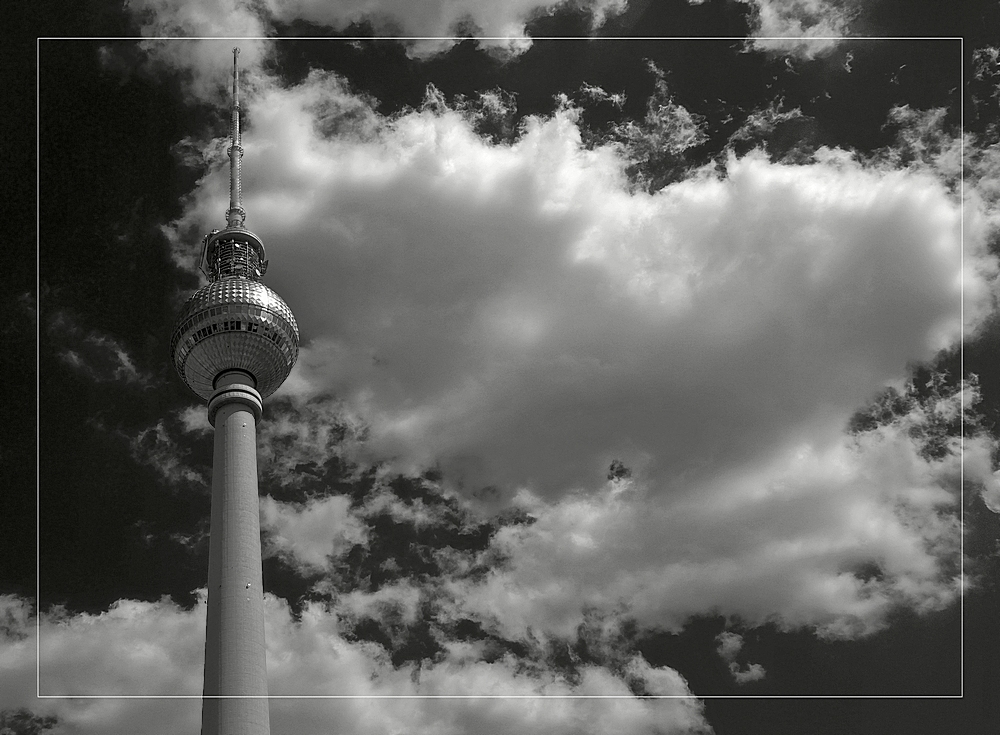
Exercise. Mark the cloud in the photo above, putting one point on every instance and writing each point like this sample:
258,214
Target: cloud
169,18
194,420
783,133
167,23
444,20
98,356
516,315
436,18
310,435
924,141
730,645
991,493
156,448
830,538
158,647
656,147
150,648
833,538
308,534
800,28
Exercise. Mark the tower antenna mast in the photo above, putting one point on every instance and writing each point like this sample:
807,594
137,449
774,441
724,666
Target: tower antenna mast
234,251
236,215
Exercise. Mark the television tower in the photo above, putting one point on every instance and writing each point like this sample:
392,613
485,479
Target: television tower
235,342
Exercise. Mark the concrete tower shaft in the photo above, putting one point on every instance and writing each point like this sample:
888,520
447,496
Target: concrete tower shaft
235,658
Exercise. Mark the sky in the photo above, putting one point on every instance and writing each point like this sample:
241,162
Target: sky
647,378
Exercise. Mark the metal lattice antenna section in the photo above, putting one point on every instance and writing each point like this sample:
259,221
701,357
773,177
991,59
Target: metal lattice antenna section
236,215
234,252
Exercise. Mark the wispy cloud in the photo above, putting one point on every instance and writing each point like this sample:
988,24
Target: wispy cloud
799,28
294,444
156,448
99,356
429,19
730,645
205,79
437,18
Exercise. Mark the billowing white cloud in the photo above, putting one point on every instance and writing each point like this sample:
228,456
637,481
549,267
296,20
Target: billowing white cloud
832,538
157,648
516,315
131,637
321,663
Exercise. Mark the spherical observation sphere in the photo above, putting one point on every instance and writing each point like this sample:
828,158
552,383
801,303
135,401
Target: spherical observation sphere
235,324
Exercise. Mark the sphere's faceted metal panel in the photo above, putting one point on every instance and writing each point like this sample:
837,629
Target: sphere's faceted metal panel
235,324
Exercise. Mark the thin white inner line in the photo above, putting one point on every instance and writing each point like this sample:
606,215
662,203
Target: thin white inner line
747,39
